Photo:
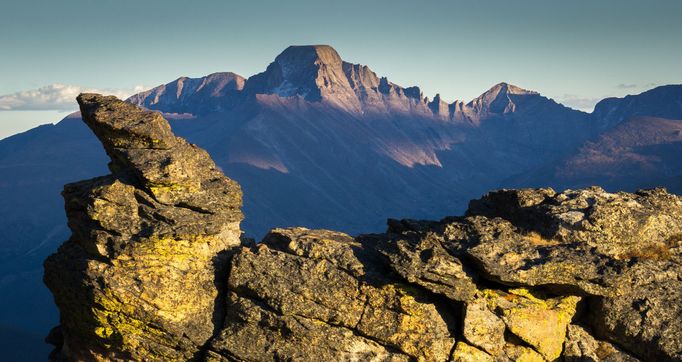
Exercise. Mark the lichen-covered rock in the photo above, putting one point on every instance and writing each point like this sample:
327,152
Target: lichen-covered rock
622,247
621,251
467,353
519,353
316,295
482,327
137,278
539,322
621,225
512,256
581,346
420,258
645,316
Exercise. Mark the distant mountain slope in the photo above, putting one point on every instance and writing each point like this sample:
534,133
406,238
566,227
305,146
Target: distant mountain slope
212,93
640,152
316,141
662,102
34,164
639,148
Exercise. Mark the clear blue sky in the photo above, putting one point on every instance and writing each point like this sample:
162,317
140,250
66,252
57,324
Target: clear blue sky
573,51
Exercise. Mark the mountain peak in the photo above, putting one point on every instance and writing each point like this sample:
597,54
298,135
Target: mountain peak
298,55
314,72
506,88
498,99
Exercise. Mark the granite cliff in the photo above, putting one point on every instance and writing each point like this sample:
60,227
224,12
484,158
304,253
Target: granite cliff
155,269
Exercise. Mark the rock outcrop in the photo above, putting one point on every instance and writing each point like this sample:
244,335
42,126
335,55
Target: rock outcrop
320,295
155,270
140,277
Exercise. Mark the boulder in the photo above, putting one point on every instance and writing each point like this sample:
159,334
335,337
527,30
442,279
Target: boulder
315,295
581,346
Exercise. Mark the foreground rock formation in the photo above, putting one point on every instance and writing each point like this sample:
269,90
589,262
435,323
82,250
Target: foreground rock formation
140,276
155,270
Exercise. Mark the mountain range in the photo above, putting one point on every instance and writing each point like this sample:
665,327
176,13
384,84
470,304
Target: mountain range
319,142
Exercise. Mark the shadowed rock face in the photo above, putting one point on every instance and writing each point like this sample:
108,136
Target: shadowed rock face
155,270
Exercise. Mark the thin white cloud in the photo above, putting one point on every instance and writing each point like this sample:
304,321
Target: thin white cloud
56,97
574,101
627,86
635,86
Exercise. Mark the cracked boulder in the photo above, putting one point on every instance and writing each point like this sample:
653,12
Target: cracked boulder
620,252
417,254
504,324
539,322
624,250
622,226
645,317
581,346
467,353
482,328
319,295
137,280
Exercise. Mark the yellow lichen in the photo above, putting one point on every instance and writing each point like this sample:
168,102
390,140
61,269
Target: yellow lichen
117,325
534,317
163,188
411,322
541,323
526,293
466,353
528,355
118,312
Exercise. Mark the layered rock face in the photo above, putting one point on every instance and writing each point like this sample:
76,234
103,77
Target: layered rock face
155,270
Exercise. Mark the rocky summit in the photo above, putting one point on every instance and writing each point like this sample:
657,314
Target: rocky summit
155,270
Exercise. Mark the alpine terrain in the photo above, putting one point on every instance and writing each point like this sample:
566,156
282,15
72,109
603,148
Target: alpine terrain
321,143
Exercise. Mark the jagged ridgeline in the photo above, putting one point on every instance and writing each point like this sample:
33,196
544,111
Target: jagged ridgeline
155,270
